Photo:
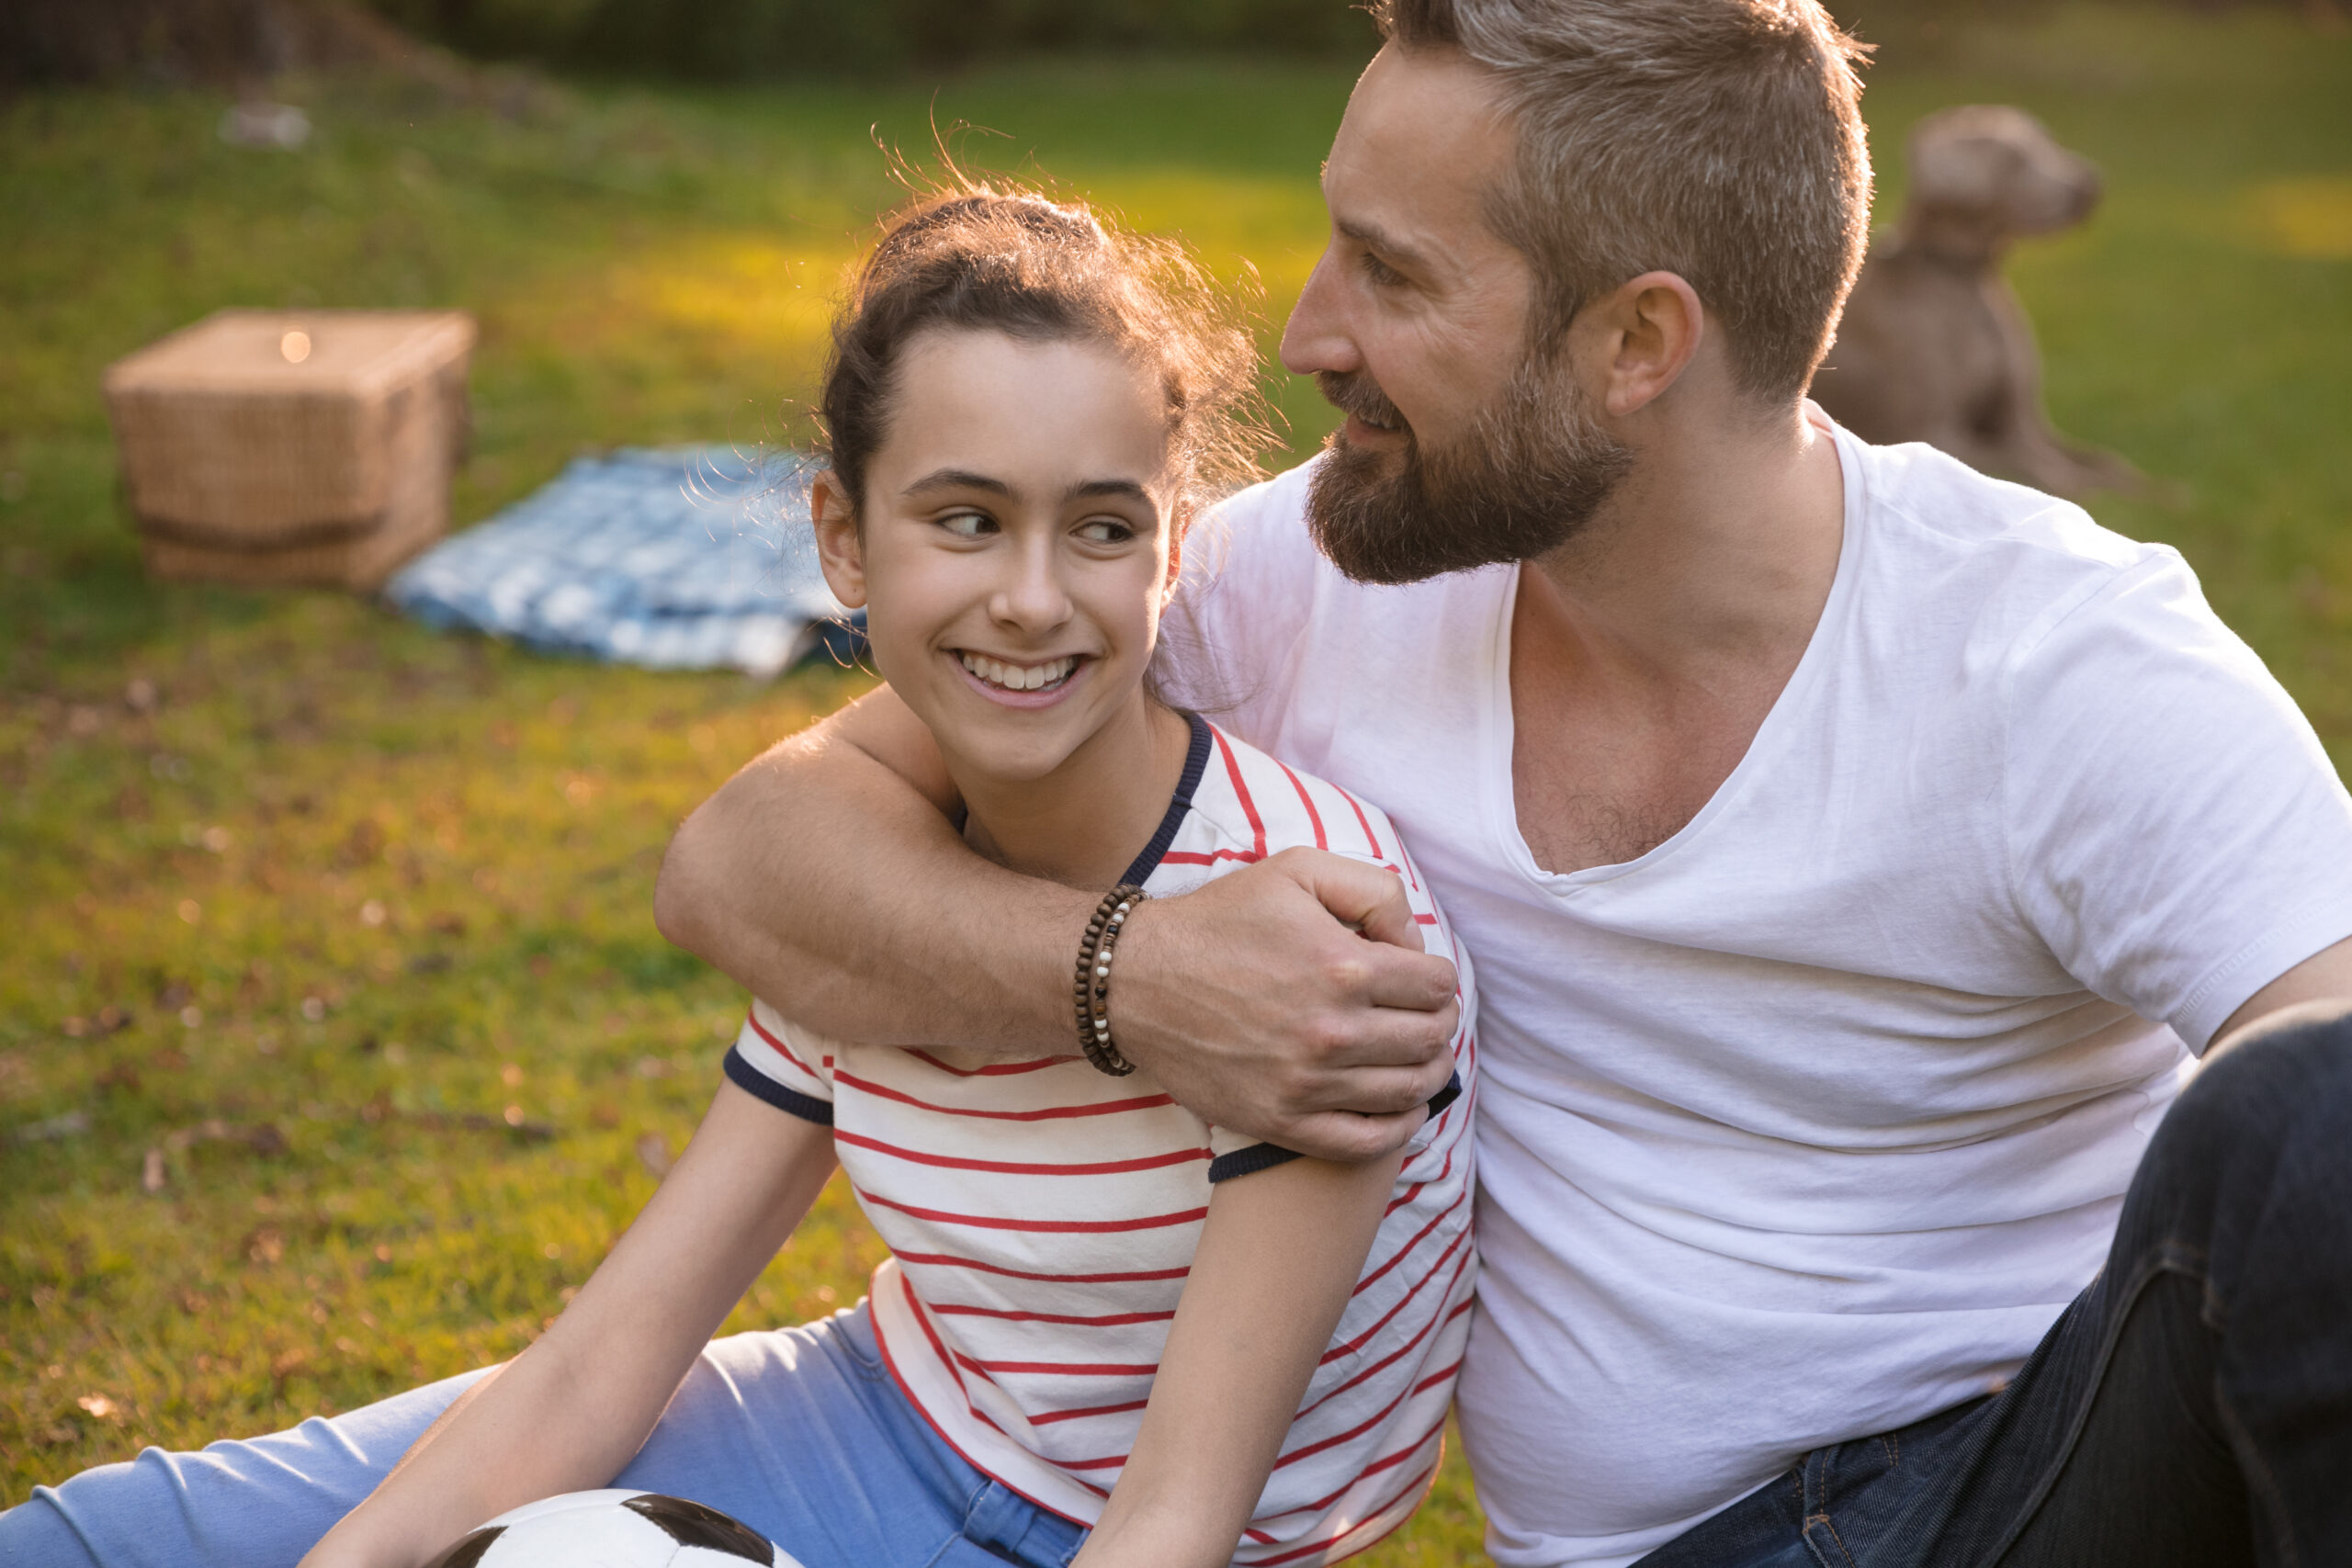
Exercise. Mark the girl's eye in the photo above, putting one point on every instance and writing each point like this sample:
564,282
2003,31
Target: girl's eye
1105,531
968,525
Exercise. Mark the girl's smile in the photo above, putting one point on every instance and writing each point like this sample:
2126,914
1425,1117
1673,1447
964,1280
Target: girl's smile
1018,684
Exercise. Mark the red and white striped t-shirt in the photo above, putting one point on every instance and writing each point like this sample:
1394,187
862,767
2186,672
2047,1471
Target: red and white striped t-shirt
1042,1218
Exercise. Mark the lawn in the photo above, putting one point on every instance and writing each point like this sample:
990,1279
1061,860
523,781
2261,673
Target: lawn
336,1039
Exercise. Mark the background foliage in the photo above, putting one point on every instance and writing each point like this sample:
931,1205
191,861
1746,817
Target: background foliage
339,930
244,41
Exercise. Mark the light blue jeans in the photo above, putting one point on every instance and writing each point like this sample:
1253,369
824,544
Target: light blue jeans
801,1433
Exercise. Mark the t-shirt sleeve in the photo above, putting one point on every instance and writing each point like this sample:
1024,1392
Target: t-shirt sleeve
2177,834
1230,635
777,1060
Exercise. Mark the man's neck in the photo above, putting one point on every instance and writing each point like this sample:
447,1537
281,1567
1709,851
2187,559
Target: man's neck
1646,652
1083,824
1726,557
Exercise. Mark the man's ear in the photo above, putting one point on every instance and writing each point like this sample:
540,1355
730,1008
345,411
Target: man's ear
838,554
1638,339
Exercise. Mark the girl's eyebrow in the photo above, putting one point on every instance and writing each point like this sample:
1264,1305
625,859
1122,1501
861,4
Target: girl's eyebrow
1090,490
1085,490
959,479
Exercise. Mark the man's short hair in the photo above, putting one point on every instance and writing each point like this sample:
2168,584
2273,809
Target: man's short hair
1719,140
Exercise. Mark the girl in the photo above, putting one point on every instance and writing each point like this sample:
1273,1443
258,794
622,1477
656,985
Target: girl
1101,1314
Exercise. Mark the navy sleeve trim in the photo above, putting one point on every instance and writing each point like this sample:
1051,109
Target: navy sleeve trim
758,1085
1196,762
1445,1097
1265,1157
1249,1161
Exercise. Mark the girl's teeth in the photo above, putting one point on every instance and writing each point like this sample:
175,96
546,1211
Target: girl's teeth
1013,678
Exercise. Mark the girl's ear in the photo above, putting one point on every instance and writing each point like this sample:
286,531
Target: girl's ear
838,553
1179,527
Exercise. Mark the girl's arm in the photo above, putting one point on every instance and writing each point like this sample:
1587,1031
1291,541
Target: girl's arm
1279,1255
569,1412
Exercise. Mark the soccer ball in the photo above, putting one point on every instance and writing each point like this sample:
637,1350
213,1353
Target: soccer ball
613,1530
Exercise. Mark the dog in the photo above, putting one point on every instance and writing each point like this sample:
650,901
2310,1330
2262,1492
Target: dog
1935,345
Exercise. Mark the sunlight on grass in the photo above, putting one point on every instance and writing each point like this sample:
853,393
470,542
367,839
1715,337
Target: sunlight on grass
2309,217
758,295
1269,229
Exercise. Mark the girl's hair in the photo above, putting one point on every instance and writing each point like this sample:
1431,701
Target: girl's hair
974,257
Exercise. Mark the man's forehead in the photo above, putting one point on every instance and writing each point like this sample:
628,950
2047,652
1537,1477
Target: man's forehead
1424,138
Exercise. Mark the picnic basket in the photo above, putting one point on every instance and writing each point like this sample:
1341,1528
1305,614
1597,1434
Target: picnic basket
293,446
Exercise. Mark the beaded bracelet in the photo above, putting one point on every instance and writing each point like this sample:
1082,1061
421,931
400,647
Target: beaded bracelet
1092,991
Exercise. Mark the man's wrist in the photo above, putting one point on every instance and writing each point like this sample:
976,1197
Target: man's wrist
1091,990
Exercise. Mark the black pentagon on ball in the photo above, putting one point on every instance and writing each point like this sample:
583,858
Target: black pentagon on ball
468,1549
691,1524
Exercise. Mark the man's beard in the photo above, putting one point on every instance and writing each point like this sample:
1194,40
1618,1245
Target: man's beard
1531,471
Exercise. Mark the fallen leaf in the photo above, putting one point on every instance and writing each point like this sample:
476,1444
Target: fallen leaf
151,1172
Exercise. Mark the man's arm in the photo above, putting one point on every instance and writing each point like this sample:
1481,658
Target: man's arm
827,878
2325,976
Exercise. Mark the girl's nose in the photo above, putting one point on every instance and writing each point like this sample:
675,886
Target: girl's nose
1031,597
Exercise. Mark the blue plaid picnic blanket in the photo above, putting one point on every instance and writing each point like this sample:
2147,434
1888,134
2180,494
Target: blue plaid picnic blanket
693,558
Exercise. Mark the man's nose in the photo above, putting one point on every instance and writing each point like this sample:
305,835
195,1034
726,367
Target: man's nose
1315,337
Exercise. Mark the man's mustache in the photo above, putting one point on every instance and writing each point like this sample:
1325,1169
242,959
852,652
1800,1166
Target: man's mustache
1354,392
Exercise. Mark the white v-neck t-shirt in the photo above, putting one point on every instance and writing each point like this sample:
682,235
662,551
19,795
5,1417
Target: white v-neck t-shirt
1808,1122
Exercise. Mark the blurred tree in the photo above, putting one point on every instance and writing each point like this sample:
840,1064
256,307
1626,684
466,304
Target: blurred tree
735,38
245,41
221,42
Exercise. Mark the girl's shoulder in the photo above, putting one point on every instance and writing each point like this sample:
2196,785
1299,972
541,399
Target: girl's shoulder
1248,804
1277,806
1239,805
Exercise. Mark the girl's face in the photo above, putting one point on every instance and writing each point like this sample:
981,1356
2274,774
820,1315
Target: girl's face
1018,543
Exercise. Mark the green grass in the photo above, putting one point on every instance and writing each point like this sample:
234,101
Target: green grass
357,896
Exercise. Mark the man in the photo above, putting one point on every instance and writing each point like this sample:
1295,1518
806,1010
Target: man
1855,851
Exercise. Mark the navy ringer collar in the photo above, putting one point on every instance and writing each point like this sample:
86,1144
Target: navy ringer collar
1196,762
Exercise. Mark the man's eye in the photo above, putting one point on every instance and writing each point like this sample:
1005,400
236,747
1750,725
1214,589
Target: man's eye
1105,531
968,525
1378,270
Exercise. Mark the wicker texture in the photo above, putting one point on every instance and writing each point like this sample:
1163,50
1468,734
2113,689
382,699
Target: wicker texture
245,464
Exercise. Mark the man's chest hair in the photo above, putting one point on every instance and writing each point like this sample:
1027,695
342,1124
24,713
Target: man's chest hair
1596,782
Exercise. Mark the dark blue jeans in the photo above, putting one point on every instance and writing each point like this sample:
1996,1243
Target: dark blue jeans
2193,1408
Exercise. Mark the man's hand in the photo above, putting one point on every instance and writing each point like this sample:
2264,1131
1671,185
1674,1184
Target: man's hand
1258,1005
